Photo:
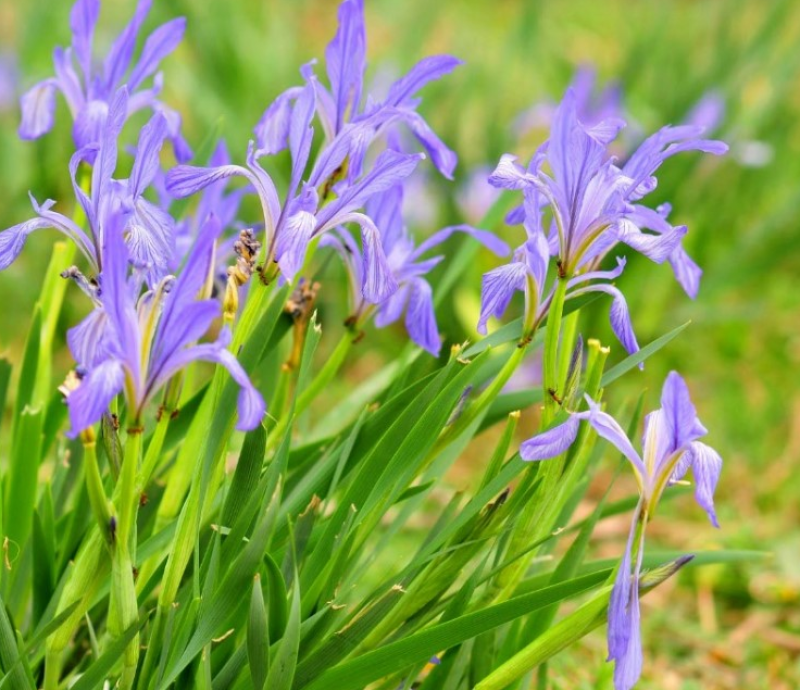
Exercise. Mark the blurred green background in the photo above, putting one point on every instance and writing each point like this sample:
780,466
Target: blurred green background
730,627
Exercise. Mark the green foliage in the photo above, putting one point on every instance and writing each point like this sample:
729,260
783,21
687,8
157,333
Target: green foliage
338,551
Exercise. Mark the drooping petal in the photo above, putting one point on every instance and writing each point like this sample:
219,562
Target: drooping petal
90,400
619,620
706,467
654,150
421,317
390,168
619,315
13,239
599,275
38,106
657,248
552,442
444,158
497,289
392,308
377,281
386,210
158,45
509,174
250,403
180,147
89,340
265,189
686,271
292,243
608,428
348,250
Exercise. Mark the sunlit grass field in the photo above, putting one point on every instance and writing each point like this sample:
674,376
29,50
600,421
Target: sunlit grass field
723,627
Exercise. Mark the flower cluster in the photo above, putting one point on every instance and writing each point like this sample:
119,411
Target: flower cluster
593,205
165,283
351,180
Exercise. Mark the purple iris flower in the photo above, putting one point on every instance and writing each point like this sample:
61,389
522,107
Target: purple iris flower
408,268
303,216
527,273
89,90
342,105
149,231
670,447
594,205
134,344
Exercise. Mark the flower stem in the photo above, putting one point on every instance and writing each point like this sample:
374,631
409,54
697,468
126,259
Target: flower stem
550,365
123,608
483,401
325,375
94,485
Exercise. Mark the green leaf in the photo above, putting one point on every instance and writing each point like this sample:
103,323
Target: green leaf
415,490
284,660
246,475
99,670
5,379
23,479
27,376
17,673
357,673
637,358
277,610
258,636
512,331
568,630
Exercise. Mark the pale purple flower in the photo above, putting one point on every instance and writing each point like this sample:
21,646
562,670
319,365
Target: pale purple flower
413,297
342,104
670,447
594,205
149,231
133,343
292,225
527,273
89,88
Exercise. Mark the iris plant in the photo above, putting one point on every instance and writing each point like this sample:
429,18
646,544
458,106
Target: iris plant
89,90
594,205
134,344
670,448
